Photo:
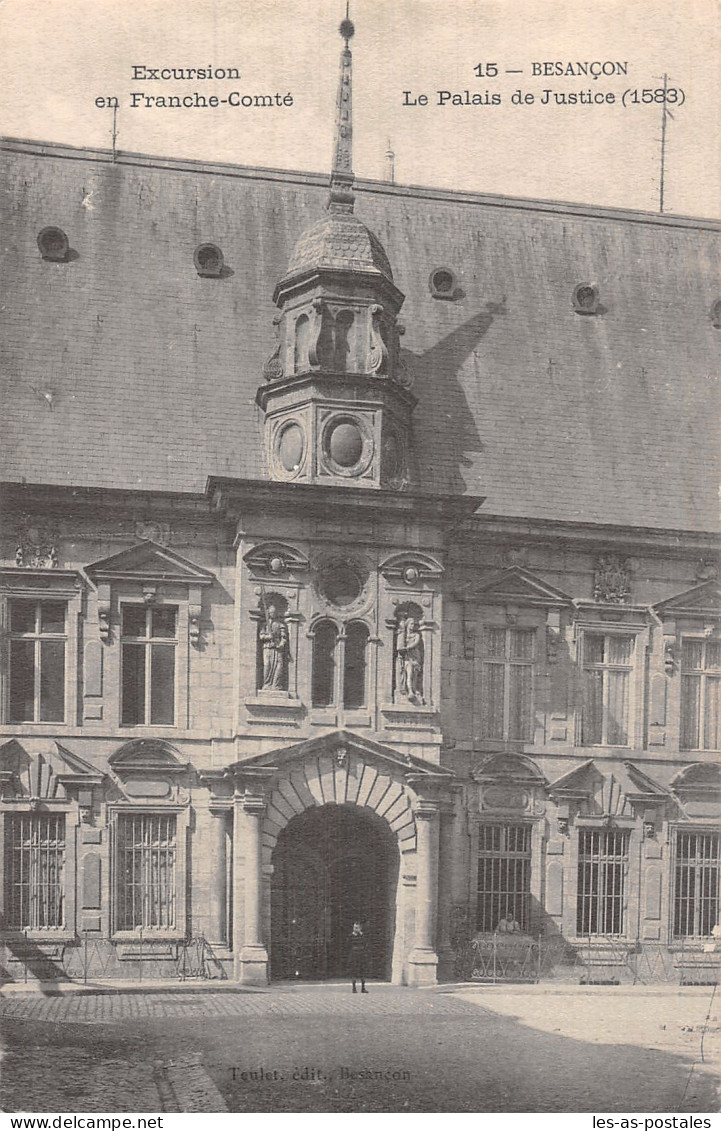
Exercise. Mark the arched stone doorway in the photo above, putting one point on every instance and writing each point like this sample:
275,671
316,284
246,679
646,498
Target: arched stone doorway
332,864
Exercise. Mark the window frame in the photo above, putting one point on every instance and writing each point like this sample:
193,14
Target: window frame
627,880
148,642
526,855
628,624
508,664
67,932
31,856
698,830
38,637
137,935
705,675
53,585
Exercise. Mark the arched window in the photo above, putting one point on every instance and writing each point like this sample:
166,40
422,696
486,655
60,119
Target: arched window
302,342
324,645
343,327
354,672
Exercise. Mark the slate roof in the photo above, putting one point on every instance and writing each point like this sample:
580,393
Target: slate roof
123,368
340,241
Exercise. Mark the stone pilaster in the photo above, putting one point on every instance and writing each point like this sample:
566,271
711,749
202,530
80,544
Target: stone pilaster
423,959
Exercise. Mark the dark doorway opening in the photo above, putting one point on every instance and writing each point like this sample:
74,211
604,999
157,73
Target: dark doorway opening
332,865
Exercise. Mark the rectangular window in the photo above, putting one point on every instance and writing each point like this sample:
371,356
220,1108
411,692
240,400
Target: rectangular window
38,642
34,871
607,667
508,655
696,884
145,863
700,694
504,875
148,644
602,871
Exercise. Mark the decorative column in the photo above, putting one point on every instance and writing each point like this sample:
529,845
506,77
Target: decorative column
446,954
218,894
423,960
251,955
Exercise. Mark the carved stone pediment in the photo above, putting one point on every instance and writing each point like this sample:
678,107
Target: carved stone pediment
510,783
700,601
411,568
145,757
516,586
621,792
275,559
149,561
51,773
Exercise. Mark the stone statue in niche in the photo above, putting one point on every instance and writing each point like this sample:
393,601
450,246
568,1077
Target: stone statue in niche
409,651
275,643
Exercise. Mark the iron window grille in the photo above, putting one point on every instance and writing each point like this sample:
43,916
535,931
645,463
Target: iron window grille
700,694
148,647
602,874
38,642
34,871
145,872
607,667
697,872
508,657
504,875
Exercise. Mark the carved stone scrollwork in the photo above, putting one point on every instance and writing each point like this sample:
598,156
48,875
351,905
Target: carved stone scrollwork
273,368
669,654
104,611
378,351
707,569
612,579
37,544
553,635
316,331
194,613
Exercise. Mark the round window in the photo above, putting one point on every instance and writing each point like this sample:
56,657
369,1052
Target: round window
290,447
341,583
345,443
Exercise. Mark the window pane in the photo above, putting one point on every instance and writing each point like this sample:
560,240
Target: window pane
617,725
592,649
620,649
323,664
495,641
592,719
522,644
163,622
712,715
690,706
22,616
133,689
493,700
713,654
52,616
354,676
34,870
520,723
52,680
504,877
162,684
22,681
145,870
692,654
135,618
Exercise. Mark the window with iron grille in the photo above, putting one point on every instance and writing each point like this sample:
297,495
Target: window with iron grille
607,667
696,884
38,643
700,694
148,644
34,871
504,875
602,872
508,683
145,871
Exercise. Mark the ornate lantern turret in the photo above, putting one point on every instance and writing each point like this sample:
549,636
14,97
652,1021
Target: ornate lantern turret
336,399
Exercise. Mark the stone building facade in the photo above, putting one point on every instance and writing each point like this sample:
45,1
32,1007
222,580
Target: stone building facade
352,569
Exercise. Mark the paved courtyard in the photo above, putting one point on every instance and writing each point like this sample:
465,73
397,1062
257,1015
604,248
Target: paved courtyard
319,1048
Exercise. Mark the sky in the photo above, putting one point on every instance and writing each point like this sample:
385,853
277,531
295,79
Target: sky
59,56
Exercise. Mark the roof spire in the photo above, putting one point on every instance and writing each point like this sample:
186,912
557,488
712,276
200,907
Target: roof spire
341,178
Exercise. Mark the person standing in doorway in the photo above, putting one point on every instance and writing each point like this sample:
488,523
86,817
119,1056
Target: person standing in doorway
357,953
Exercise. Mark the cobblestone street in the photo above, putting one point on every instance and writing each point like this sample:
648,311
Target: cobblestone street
319,1048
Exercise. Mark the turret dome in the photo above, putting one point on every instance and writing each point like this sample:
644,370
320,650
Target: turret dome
340,240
